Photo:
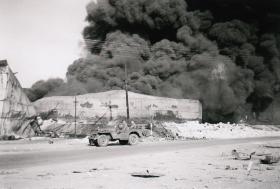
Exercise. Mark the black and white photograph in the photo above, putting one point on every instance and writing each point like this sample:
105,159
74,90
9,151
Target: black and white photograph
139,94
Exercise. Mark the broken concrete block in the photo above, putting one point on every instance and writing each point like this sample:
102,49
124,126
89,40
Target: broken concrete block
270,159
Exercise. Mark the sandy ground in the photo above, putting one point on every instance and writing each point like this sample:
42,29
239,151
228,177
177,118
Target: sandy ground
203,167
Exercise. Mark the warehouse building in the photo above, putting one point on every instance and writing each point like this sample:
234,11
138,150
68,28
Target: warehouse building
112,104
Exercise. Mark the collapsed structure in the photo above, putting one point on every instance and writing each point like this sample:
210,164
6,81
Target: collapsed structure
15,107
112,104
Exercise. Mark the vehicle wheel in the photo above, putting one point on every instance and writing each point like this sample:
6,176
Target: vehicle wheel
91,142
133,139
95,142
123,142
102,140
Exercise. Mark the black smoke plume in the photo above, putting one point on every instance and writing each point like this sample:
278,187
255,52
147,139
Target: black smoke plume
224,53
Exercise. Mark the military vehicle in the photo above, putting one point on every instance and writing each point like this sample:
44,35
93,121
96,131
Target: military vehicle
116,132
125,134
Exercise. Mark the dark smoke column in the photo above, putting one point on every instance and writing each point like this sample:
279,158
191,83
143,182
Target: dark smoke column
172,47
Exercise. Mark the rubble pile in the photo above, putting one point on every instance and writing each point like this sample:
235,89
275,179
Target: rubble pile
160,131
194,129
171,130
62,127
260,158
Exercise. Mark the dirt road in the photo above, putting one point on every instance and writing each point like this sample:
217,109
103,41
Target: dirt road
82,152
71,164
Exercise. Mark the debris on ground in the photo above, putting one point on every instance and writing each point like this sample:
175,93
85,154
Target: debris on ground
146,174
160,131
261,158
241,156
178,179
171,130
194,129
10,137
7,172
235,154
270,168
254,180
270,159
272,146
45,175
250,165
93,169
228,167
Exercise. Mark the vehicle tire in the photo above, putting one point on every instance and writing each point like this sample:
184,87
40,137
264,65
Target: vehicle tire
133,139
95,142
92,142
123,142
102,140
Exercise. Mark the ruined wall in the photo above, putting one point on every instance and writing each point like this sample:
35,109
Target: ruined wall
109,103
15,107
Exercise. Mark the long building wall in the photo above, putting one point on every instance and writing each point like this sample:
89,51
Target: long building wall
15,107
113,103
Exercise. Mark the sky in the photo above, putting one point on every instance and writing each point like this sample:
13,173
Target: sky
40,38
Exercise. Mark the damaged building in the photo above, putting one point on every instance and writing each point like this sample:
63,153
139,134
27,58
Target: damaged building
15,107
112,104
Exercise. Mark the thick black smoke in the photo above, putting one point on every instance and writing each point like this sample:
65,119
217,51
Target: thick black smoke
42,88
224,53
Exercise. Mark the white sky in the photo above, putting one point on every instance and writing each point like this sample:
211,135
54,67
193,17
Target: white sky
40,38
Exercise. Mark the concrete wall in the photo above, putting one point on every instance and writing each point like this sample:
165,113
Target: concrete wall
15,107
141,106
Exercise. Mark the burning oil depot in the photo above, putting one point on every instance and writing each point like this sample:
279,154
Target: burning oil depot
112,104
